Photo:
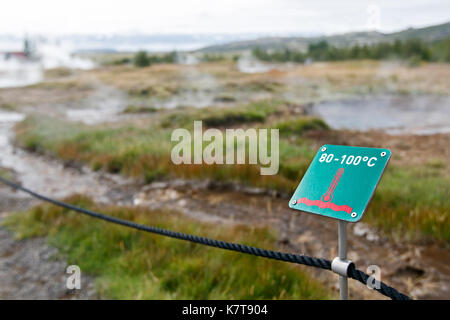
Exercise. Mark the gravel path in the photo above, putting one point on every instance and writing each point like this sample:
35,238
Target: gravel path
31,269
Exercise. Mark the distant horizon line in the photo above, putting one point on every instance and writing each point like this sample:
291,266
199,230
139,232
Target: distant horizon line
211,34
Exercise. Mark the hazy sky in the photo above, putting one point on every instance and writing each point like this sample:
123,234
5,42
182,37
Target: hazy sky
217,16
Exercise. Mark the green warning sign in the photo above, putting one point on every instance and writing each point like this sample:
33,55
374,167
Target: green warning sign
340,181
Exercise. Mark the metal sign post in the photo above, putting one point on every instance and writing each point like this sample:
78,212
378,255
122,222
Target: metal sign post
339,184
342,243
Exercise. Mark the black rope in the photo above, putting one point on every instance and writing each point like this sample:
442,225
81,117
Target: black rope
384,289
276,255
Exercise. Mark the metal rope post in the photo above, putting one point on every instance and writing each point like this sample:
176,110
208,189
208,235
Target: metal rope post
342,242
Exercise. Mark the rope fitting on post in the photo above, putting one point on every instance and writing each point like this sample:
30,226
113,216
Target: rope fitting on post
342,267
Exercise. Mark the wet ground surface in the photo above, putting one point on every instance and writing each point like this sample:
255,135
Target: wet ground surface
31,269
395,114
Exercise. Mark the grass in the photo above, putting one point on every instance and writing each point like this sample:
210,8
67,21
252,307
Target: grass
7,106
139,109
6,173
299,126
224,98
145,152
43,134
129,264
316,81
411,202
401,206
62,85
60,72
254,112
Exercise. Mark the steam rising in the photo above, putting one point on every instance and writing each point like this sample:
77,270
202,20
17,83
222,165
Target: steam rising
17,71
248,64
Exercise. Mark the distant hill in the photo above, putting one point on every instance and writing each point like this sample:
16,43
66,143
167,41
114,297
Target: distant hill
428,34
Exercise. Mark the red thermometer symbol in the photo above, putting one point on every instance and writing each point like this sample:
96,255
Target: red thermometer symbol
328,196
